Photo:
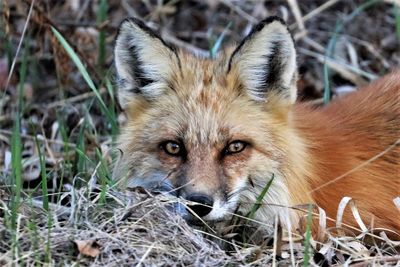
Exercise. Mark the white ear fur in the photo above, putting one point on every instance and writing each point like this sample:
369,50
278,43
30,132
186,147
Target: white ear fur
144,62
266,61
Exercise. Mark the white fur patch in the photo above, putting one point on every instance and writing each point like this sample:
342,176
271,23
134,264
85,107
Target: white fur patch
222,209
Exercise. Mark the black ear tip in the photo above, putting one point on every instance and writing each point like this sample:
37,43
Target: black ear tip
261,25
135,21
143,27
271,19
125,23
140,23
135,25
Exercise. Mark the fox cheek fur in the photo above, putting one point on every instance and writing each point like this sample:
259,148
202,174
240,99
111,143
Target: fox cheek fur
216,131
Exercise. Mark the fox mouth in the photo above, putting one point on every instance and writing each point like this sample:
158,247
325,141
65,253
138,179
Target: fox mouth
195,210
182,207
190,217
165,188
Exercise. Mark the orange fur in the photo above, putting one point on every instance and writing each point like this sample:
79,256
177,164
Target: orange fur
203,106
344,135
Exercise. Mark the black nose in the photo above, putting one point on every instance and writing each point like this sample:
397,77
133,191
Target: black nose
205,204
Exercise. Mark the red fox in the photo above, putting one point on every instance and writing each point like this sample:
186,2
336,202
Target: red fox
214,132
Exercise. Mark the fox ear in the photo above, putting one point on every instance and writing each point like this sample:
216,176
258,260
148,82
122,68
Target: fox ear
144,62
266,61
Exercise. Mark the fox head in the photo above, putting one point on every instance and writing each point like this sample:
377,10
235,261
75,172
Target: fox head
210,131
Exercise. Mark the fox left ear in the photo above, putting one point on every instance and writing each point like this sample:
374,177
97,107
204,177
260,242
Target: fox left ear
144,62
266,61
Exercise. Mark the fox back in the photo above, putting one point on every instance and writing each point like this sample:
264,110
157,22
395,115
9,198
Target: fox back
215,132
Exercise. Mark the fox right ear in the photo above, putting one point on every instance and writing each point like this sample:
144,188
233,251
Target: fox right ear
144,62
265,61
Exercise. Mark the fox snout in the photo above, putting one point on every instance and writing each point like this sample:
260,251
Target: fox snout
204,205
199,204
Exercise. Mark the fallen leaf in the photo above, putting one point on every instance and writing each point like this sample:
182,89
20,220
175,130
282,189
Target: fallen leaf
89,248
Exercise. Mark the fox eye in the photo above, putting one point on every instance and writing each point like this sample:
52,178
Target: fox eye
235,147
172,148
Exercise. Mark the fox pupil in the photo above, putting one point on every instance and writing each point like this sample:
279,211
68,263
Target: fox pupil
236,147
171,148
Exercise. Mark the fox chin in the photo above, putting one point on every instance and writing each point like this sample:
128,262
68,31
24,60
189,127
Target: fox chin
215,132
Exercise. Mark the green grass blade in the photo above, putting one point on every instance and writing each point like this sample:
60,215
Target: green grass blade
218,43
332,43
307,239
111,93
16,162
103,174
78,63
110,90
85,158
67,166
397,15
33,231
80,150
16,176
43,175
260,198
16,144
329,54
16,154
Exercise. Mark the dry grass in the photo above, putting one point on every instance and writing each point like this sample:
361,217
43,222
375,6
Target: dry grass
127,232
134,228
62,122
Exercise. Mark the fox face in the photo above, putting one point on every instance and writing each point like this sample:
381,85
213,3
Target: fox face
209,131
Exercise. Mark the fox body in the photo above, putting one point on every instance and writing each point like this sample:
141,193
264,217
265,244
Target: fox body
216,131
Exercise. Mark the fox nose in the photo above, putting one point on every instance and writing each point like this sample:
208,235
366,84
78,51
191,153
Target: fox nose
205,204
